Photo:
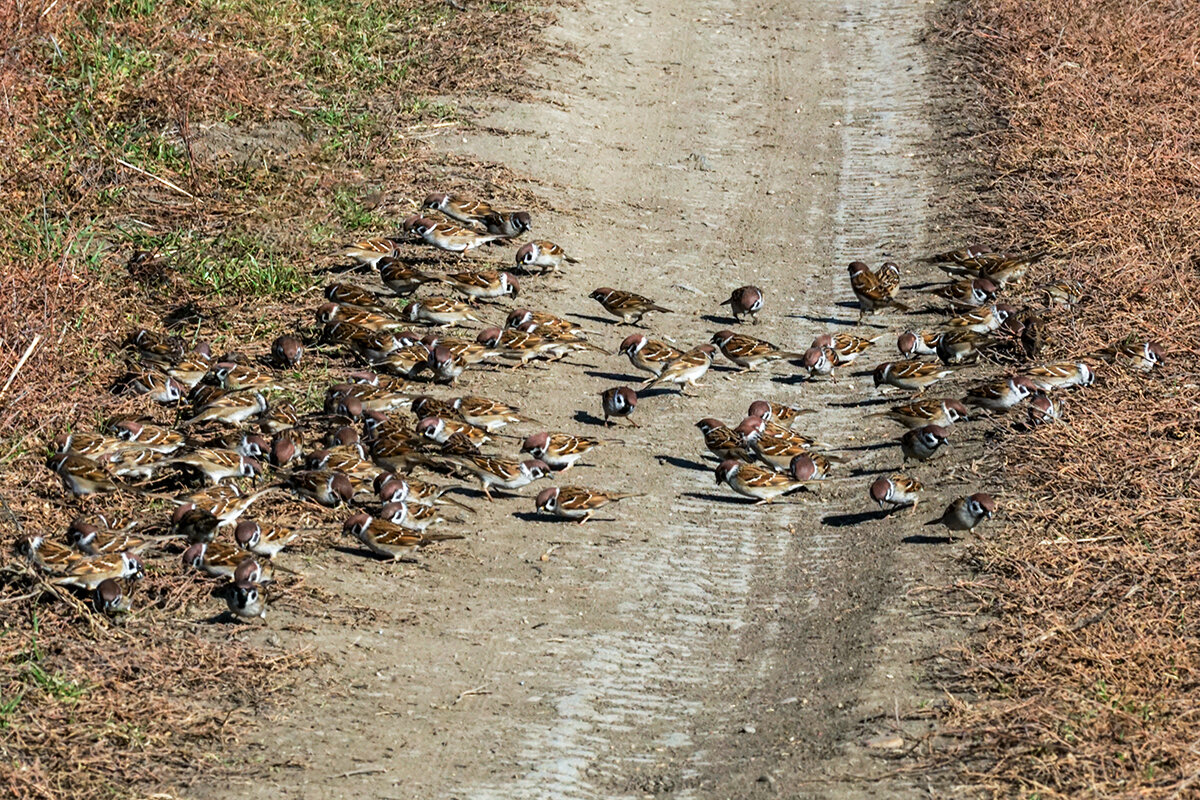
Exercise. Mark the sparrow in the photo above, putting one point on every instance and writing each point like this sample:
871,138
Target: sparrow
922,444
110,599
560,451
158,387
649,355
426,406
388,539
748,352
913,376
152,437
203,394
190,369
369,252
485,285
215,465
279,418
347,294
514,344
440,311
628,306
687,369
888,276
246,599
226,503
618,401
847,346
920,413
980,320
88,572
749,480
439,429
1063,293
194,524
546,255
967,513
135,463
215,559
1043,410
960,256
821,361
963,346
773,444
403,279
407,362
809,467
871,294
371,320
371,398
491,415
93,536
1000,395
323,486
266,542
48,556
286,351
349,461
543,323
502,473
1061,375
778,413
745,301
82,476
396,452
457,207
417,516
450,237
896,491
233,409
575,502
414,492
154,346
506,224
95,446
559,344
968,293
918,343
1140,356
723,442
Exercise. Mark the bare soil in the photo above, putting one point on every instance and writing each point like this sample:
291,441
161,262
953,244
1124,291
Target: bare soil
684,643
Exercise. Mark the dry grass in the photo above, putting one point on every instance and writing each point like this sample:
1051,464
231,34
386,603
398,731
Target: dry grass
243,141
1084,681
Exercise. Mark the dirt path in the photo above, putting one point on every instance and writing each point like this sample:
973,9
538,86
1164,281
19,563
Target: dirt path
686,644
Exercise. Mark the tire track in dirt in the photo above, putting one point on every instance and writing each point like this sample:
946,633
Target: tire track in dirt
700,147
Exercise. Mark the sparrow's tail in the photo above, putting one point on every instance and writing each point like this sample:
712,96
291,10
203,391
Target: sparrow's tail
430,538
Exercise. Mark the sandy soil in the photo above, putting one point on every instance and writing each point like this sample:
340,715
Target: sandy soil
685,643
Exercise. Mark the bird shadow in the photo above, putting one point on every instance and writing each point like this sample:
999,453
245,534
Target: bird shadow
922,538
876,401
719,319
847,520
658,392
619,377
721,498
594,318
532,516
588,418
683,463
184,315
791,380
873,446
823,320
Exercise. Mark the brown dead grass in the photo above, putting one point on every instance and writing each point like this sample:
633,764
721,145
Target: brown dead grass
244,141
1084,682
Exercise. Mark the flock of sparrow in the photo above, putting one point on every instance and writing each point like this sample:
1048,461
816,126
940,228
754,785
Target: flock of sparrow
383,421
